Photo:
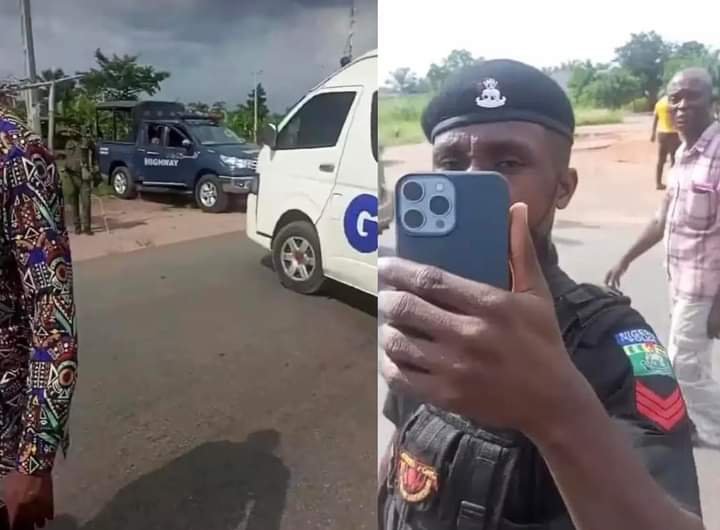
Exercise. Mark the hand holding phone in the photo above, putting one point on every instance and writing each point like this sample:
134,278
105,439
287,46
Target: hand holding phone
494,356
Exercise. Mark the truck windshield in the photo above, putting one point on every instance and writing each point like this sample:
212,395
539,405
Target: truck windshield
215,135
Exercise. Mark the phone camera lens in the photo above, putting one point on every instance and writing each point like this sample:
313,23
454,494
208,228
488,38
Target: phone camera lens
414,219
439,205
413,191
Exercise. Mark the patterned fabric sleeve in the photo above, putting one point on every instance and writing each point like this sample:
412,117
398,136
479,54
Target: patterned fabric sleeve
37,232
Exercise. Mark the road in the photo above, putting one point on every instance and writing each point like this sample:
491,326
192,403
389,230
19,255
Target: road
586,252
211,398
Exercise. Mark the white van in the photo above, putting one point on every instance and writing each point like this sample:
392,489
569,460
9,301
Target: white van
315,202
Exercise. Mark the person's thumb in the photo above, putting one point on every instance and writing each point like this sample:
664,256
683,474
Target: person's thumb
526,272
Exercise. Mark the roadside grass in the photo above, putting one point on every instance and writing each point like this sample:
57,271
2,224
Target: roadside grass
400,118
585,116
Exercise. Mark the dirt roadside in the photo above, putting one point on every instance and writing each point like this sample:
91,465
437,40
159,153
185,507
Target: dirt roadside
125,226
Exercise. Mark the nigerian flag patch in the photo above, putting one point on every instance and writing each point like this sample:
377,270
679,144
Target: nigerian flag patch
646,354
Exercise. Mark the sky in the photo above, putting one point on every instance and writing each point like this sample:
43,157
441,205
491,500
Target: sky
543,33
211,47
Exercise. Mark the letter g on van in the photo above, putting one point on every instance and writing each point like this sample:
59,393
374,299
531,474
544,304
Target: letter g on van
361,225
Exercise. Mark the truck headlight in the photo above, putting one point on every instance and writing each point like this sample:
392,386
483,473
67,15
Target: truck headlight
236,163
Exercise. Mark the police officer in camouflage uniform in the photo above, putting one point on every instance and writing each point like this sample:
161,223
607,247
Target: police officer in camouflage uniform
78,179
550,407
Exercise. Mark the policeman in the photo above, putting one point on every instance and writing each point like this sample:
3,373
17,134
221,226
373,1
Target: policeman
553,406
78,180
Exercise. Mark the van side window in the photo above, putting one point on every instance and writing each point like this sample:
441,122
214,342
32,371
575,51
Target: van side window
374,126
175,138
318,123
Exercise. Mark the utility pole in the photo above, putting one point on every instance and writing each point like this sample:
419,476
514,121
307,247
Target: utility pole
31,96
255,105
352,30
51,117
347,56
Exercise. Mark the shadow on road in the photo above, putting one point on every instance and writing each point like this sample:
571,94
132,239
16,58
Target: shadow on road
352,297
340,292
216,486
564,223
570,242
120,225
175,201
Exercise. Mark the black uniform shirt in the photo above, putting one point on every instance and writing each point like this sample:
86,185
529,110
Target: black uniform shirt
631,374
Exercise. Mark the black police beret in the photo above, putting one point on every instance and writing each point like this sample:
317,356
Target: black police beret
495,91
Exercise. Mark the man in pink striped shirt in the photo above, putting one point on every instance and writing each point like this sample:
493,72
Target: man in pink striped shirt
688,222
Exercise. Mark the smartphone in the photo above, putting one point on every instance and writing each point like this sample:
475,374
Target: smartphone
456,221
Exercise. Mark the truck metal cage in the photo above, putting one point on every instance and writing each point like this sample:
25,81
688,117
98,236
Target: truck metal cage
119,121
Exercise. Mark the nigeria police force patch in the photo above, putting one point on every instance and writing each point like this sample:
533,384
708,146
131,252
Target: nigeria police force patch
649,358
646,354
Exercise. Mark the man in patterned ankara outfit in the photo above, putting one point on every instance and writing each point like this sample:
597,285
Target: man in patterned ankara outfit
38,344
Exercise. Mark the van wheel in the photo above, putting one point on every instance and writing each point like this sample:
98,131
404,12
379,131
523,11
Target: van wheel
123,184
297,258
210,196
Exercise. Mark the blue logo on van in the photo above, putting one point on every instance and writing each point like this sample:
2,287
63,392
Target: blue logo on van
361,226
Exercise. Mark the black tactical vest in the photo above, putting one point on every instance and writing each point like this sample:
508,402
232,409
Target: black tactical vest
447,474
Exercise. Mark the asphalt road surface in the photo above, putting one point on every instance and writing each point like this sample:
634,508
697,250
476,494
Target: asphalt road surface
586,252
210,398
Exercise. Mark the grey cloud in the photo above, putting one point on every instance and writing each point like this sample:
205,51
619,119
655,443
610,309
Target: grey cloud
211,47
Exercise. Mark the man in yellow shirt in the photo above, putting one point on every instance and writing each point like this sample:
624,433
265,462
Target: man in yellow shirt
667,138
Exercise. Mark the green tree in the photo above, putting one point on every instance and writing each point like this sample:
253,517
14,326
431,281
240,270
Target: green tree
242,119
613,88
262,111
691,48
421,86
456,60
581,76
693,54
565,66
122,78
64,92
79,113
644,56
436,76
402,80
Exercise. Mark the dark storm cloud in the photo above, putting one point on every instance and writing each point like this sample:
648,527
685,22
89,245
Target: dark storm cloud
211,47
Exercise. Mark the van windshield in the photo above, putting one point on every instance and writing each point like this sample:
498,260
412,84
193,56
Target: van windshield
209,134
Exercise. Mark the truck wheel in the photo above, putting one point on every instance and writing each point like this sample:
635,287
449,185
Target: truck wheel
210,196
123,184
297,258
